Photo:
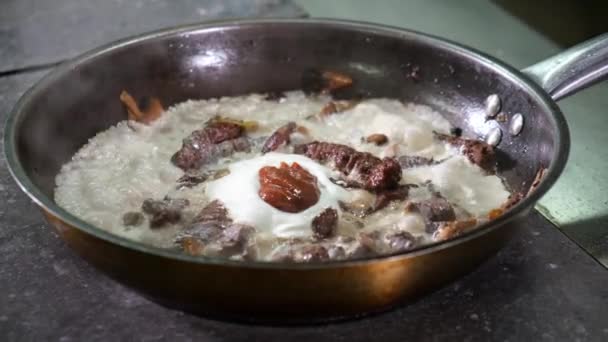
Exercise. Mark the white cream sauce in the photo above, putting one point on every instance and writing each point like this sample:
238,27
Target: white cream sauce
120,167
239,193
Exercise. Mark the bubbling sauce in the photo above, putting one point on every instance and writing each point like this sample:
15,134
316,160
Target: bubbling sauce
301,178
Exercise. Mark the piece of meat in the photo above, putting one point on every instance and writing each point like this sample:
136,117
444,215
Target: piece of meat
152,111
289,188
377,139
478,152
218,139
540,174
300,252
247,125
448,230
279,138
324,225
400,241
384,176
315,81
200,234
360,169
211,239
191,179
207,225
213,233
215,211
513,199
495,213
385,197
382,242
435,209
360,250
313,253
516,197
408,162
132,218
234,240
193,158
337,106
165,211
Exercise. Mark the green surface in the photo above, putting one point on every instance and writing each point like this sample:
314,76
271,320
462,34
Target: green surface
578,204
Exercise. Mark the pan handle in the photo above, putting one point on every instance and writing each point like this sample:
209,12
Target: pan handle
572,70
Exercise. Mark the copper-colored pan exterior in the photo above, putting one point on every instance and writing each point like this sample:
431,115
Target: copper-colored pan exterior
288,294
80,99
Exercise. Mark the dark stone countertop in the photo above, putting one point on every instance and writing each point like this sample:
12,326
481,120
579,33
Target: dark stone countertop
39,32
540,287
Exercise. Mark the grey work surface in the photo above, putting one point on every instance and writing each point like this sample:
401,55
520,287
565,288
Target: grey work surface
36,32
542,286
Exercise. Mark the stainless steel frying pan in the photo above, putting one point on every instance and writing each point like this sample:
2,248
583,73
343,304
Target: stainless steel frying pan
80,98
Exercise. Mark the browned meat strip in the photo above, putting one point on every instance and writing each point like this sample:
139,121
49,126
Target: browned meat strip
234,240
361,169
378,242
513,199
218,139
279,138
165,211
191,179
324,225
314,81
540,174
213,212
400,241
333,107
516,197
478,152
436,209
213,233
385,197
365,245
383,176
408,162
306,252
314,253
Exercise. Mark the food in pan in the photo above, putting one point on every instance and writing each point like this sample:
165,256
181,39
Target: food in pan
292,177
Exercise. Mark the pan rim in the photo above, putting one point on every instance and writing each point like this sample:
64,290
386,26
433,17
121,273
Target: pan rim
560,154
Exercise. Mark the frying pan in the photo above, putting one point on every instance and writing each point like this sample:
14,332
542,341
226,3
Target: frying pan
80,98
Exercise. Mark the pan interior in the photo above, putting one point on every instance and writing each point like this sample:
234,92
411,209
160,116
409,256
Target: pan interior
81,99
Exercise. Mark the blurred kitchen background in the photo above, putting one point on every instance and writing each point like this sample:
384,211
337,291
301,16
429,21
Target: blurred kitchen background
564,22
